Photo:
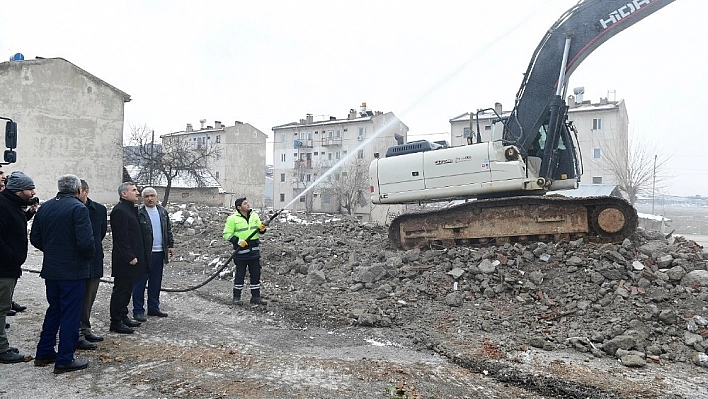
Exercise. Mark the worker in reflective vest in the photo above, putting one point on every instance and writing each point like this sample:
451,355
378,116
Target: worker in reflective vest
243,229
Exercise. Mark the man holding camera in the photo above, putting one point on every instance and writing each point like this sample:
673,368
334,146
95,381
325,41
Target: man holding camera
18,194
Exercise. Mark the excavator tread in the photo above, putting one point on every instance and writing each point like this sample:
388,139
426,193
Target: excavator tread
516,219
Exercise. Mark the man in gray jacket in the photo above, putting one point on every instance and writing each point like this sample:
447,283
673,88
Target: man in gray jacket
155,223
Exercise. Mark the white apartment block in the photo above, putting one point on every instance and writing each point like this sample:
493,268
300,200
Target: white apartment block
602,132
308,155
241,159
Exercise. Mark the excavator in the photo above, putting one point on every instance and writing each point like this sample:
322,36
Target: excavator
533,151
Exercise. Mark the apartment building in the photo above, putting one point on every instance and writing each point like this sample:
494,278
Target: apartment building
239,161
314,158
602,134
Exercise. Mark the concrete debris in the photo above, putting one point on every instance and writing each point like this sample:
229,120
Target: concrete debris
642,299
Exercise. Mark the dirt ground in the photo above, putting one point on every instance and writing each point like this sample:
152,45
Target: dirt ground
307,343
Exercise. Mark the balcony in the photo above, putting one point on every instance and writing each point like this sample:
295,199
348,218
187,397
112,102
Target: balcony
306,164
331,141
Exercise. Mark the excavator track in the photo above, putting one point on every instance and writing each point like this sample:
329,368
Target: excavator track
516,219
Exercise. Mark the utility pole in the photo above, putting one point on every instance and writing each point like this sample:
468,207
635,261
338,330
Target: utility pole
653,186
152,149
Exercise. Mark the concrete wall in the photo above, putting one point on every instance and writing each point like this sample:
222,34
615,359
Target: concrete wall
69,121
209,196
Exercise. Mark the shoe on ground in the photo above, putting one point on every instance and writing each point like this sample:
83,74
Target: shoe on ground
13,349
238,302
10,356
157,313
73,366
256,300
121,329
86,345
91,337
41,361
140,317
131,323
11,312
18,308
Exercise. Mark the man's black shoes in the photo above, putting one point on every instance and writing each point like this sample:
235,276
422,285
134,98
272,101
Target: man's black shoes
10,356
17,307
85,344
131,323
157,313
140,317
73,366
11,312
41,361
121,329
91,337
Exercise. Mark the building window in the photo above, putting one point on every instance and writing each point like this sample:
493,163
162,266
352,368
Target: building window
282,157
466,132
282,137
315,153
596,153
308,177
218,138
216,174
282,197
339,133
597,124
361,134
597,180
282,177
185,195
329,156
360,154
325,197
302,198
338,155
487,127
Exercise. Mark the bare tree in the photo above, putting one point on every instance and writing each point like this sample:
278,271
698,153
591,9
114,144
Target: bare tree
350,185
638,168
175,156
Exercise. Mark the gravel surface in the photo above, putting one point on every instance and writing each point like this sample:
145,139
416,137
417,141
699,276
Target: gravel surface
348,316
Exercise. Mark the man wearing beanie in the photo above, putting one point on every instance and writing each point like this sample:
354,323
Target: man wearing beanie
62,231
18,193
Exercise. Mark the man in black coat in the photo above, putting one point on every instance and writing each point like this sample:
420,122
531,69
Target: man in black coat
62,231
99,223
18,193
130,256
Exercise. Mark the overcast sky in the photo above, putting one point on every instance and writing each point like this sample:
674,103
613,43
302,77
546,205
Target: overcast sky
268,63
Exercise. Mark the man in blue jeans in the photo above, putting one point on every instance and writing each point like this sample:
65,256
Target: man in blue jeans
62,231
155,223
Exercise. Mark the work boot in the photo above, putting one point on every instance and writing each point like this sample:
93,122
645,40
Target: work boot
237,297
256,298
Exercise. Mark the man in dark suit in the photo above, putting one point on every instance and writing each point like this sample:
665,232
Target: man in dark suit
130,256
99,223
62,231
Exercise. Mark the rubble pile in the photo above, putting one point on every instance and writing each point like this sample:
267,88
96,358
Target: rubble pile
642,301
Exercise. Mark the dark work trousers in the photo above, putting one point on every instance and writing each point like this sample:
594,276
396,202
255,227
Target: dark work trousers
89,297
120,298
154,283
254,271
65,299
